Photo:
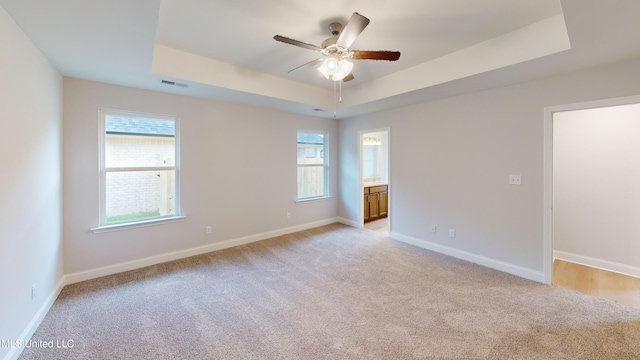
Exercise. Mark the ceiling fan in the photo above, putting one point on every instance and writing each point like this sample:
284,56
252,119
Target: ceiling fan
336,56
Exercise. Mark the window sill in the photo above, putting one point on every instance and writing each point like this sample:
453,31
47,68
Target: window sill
137,224
319,198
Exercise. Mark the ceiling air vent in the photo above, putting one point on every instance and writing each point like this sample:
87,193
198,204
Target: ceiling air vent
169,82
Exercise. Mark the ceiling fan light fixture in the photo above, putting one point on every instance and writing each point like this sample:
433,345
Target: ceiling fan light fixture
336,55
344,68
329,67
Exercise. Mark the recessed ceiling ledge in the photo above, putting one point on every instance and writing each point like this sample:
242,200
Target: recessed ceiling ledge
543,38
184,65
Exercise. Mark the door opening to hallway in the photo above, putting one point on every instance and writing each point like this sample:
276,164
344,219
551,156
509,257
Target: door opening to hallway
592,205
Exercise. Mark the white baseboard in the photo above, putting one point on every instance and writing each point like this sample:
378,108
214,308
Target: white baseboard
348,222
477,259
598,263
33,325
157,259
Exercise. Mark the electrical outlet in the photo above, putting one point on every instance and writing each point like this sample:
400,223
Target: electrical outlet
33,291
432,229
207,230
452,233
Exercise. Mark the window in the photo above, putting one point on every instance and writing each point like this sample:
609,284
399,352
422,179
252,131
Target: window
313,165
139,167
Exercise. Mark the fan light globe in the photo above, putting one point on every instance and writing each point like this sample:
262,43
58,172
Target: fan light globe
335,69
344,68
329,67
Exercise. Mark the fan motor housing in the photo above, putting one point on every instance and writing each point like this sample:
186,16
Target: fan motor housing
335,28
329,42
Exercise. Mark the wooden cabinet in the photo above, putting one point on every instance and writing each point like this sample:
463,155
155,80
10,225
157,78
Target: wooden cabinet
366,204
375,202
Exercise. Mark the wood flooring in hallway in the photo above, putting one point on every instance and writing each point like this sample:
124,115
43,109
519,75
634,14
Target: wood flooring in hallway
605,284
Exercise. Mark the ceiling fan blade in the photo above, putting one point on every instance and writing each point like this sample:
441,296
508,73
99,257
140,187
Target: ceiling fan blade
305,66
376,55
354,27
301,44
348,77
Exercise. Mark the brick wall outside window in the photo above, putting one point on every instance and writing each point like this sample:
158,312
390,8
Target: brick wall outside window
138,191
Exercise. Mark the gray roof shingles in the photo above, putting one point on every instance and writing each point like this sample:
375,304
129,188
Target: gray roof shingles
307,138
144,127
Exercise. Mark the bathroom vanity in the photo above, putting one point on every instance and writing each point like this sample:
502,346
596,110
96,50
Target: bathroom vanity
375,201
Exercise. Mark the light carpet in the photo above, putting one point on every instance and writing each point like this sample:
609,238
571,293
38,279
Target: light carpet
333,292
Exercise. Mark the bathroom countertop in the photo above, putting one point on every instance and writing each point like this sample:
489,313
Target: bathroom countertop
374,183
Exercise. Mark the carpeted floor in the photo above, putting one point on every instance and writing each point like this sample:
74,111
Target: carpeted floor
333,292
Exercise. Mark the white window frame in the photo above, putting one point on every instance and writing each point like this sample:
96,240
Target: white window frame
325,164
103,170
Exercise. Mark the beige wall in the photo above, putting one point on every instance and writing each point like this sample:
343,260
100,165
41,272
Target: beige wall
451,158
238,174
31,162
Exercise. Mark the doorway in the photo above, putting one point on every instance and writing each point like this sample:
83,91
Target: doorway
375,209
591,201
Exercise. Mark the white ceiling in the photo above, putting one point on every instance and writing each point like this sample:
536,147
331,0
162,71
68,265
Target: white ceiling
224,50
421,30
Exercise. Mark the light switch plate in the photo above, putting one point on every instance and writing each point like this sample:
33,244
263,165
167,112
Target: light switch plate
515,179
